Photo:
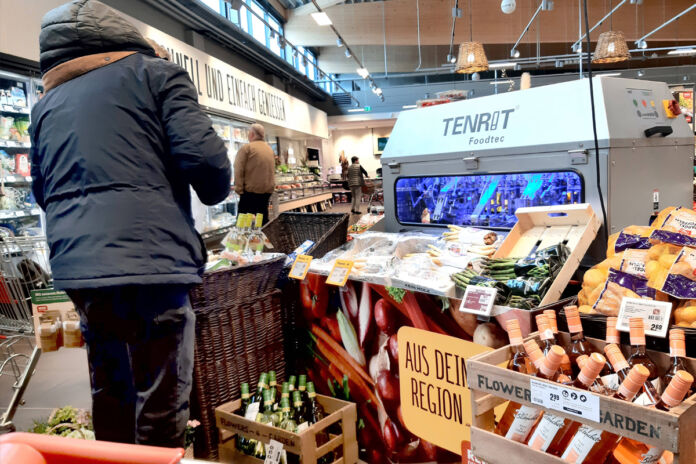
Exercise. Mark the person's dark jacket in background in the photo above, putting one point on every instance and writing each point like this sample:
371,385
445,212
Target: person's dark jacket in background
114,151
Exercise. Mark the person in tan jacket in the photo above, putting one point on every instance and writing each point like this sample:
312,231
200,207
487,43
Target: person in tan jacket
254,173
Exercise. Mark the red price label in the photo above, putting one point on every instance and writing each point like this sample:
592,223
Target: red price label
478,300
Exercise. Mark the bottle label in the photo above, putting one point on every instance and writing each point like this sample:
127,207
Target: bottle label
611,381
546,334
644,399
652,456
677,352
582,443
312,394
546,432
525,418
252,411
246,396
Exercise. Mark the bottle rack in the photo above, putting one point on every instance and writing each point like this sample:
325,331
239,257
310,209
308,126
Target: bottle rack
671,431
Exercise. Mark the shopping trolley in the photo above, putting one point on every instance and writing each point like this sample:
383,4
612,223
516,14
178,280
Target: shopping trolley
24,267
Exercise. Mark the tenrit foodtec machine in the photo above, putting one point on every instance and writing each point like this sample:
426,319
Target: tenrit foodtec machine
474,162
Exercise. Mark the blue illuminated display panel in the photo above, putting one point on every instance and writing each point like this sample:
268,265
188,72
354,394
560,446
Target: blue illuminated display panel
483,200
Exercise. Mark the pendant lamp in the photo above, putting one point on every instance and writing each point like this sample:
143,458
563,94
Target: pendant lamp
611,48
471,59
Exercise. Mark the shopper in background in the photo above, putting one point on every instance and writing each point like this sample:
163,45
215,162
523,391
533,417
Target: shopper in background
356,179
254,173
117,142
344,166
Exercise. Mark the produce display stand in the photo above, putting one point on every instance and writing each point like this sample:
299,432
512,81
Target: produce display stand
672,431
303,444
239,334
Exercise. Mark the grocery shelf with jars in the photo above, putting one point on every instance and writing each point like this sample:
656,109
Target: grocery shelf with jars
19,213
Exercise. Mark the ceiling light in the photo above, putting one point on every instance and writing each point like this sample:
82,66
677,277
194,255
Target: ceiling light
378,91
504,65
611,48
685,78
235,4
515,53
610,74
509,81
322,18
348,55
363,72
272,34
281,42
472,58
451,59
294,52
682,51
381,98
304,61
559,63
577,48
641,73
642,44
409,107
339,42
518,67
508,6
356,110
476,76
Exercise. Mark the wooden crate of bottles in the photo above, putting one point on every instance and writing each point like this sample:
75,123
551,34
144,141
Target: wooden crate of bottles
492,384
304,444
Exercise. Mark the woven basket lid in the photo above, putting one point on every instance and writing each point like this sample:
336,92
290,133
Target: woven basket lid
611,48
472,58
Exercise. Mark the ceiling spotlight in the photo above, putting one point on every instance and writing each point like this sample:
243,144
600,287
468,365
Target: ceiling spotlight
363,72
515,53
321,18
476,76
281,42
642,44
272,34
641,73
517,67
235,4
348,54
304,61
378,91
559,63
294,52
654,55
546,5
685,78
381,97
682,51
508,6
339,42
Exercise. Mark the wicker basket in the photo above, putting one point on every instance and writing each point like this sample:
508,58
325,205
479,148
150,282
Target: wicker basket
286,233
235,341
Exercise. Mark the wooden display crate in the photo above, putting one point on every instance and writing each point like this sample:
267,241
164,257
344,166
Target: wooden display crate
672,431
303,444
576,226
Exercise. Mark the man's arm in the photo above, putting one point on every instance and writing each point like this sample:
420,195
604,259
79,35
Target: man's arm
197,150
364,172
37,181
239,164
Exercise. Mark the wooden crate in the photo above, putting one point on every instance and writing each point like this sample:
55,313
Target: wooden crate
672,431
304,444
541,227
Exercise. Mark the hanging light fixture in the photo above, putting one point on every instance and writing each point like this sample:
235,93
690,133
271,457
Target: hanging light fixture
611,48
472,58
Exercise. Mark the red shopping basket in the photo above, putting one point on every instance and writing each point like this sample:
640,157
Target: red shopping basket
31,448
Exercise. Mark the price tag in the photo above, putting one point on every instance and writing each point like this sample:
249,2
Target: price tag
555,396
655,315
27,178
300,267
478,300
340,272
273,452
9,179
252,411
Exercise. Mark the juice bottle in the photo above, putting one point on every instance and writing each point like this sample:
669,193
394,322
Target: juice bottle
578,345
592,446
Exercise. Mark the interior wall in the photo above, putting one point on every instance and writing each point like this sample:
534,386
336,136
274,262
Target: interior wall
20,26
356,142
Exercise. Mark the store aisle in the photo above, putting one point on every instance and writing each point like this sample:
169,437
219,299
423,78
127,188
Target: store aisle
61,379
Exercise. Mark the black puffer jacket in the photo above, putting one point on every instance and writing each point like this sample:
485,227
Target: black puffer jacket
114,154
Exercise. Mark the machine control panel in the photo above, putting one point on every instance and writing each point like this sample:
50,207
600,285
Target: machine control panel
645,105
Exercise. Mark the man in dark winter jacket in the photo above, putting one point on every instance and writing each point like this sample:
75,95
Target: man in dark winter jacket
117,142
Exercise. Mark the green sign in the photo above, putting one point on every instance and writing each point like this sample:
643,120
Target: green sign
48,296
368,108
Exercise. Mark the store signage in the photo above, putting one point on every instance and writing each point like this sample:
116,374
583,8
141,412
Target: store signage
435,400
655,315
568,400
300,267
225,88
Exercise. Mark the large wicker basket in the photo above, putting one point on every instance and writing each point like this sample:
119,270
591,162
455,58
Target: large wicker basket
239,334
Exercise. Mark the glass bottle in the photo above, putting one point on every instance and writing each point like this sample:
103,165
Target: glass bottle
578,345
232,242
315,413
291,383
260,387
640,356
519,420
566,368
273,382
545,333
592,446
242,442
677,353
597,386
254,245
555,432
285,392
286,420
299,410
612,336
519,362
302,387
269,417
633,452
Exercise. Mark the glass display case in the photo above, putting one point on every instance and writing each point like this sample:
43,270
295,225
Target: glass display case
487,200
19,212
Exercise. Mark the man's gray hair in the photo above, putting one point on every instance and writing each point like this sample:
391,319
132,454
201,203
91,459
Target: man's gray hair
258,130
